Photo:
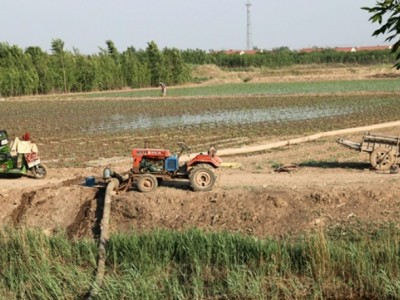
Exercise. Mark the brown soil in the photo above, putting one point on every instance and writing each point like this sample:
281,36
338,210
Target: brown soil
332,185
214,74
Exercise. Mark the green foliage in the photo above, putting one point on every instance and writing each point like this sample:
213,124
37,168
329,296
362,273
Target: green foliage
34,71
387,14
155,63
284,57
360,260
109,75
135,73
197,57
41,64
18,75
84,74
59,65
175,70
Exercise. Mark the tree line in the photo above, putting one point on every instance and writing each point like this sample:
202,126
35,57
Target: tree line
283,57
33,71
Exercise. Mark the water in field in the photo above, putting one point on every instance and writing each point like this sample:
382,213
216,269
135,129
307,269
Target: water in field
231,117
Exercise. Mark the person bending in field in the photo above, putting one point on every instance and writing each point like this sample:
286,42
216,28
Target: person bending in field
163,89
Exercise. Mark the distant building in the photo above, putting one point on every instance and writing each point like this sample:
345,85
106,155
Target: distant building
310,50
347,49
241,52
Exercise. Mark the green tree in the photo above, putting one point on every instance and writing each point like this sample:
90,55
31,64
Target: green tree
41,63
387,14
84,73
18,75
155,63
133,70
57,47
109,68
175,70
112,51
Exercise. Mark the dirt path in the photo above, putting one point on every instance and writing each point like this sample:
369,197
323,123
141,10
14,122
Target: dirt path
331,186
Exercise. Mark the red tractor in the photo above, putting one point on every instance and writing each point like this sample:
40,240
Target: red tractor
152,166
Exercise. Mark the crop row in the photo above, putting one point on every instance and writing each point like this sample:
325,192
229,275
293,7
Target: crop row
72,132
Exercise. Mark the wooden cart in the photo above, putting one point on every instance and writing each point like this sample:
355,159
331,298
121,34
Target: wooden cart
383,150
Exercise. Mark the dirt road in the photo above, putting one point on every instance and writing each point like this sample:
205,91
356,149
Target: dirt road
331,186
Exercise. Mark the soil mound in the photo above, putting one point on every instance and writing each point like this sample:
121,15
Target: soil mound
273,209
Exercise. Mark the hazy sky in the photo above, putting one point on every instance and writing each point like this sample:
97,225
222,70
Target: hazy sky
186,24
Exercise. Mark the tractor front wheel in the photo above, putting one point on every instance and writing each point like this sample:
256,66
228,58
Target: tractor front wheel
147,183
202,179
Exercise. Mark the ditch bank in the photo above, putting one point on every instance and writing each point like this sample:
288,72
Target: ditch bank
292,203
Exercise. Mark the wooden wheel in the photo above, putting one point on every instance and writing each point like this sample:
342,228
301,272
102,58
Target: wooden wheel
382,159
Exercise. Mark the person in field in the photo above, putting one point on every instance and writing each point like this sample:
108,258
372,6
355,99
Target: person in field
163,89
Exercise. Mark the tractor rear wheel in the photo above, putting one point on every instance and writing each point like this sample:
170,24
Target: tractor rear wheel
147,183
202,179
382,159
204,165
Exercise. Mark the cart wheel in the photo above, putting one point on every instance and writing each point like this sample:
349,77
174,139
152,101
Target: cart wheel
382,159
147,183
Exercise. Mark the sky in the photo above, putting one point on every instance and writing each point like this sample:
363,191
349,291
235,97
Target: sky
187,24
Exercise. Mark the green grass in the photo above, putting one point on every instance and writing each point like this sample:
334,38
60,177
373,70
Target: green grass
276,88
353,262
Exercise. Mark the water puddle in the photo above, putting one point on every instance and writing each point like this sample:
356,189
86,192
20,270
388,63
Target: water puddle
232,117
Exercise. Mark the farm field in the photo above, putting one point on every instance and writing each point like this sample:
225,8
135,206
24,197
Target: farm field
259,234
73,132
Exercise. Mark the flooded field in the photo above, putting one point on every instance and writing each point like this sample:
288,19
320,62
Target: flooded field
234,117
74,132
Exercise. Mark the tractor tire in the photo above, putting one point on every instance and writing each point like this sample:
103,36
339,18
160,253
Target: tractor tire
382,159
39,171
204,165
147,183
202,179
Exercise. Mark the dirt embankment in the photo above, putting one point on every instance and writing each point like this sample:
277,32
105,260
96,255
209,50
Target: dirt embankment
252,199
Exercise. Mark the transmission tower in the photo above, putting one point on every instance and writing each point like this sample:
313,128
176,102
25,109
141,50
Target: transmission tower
249,33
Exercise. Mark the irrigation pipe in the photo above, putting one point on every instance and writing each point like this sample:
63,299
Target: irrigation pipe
313,137
112,185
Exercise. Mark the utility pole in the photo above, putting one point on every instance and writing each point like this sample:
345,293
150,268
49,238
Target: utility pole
249,33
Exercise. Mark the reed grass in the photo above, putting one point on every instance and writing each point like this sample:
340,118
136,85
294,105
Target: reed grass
335,263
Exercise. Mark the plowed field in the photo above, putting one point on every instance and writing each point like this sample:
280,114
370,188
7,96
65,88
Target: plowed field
332,185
